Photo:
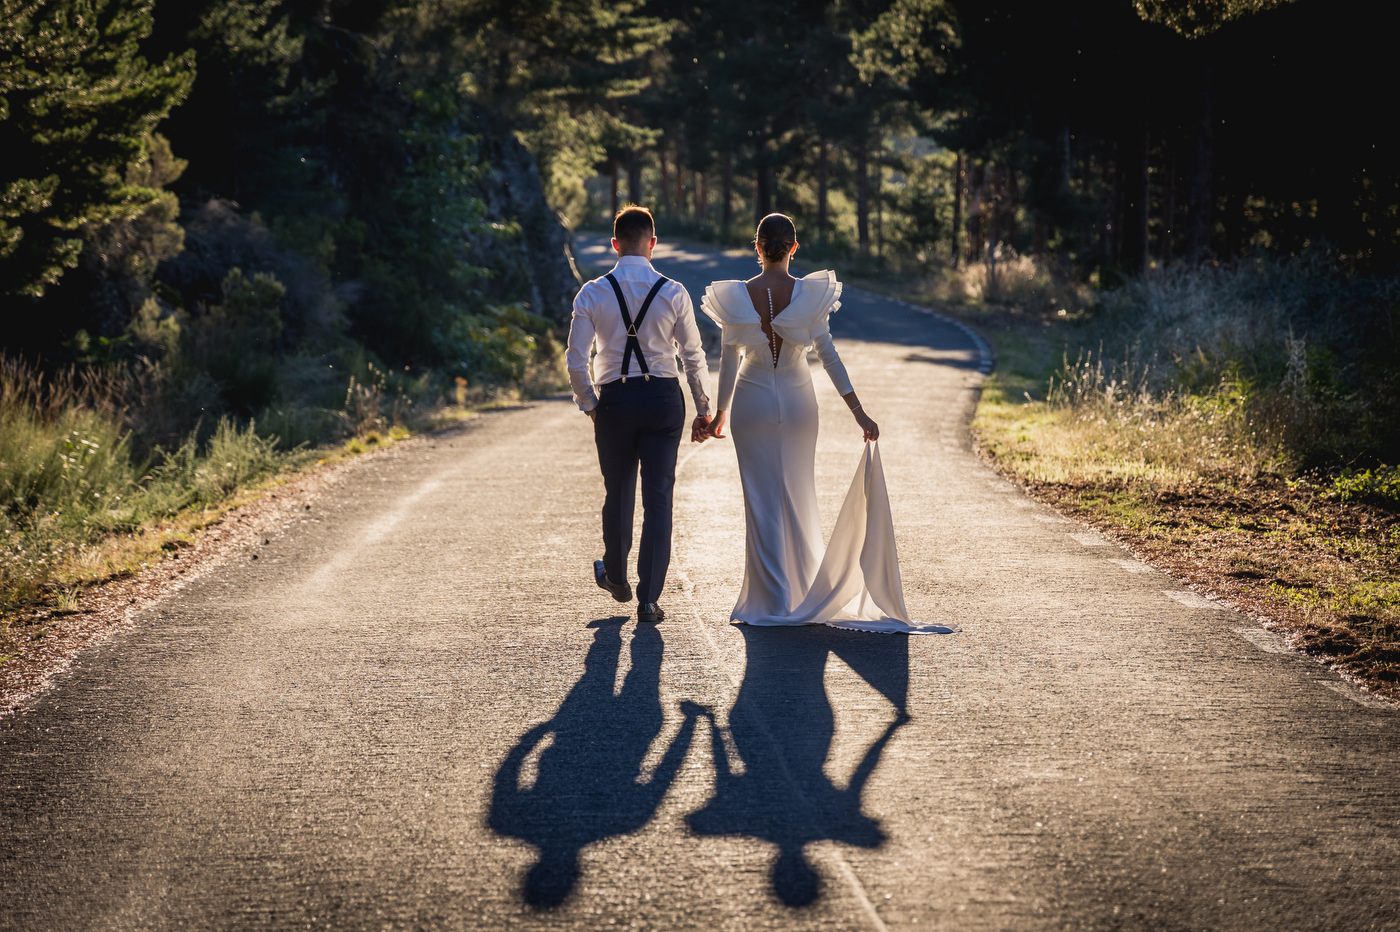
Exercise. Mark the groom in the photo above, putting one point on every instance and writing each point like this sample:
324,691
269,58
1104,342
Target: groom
640,321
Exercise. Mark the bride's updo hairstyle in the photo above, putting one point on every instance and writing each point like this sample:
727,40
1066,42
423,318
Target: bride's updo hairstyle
775,237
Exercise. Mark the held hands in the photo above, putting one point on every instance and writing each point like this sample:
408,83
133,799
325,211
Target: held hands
717,425
700,429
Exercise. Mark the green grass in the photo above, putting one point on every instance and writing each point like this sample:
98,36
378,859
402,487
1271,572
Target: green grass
70,482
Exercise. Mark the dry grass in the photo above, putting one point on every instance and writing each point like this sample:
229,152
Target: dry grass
1203,481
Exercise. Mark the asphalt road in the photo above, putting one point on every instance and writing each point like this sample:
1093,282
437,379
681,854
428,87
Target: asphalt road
415,711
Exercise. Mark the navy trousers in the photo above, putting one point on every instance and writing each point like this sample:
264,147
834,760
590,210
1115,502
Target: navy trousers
639,426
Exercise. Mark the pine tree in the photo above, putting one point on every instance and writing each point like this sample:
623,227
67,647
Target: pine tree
236,129
78,103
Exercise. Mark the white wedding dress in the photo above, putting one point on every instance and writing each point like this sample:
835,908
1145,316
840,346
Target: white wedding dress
788,578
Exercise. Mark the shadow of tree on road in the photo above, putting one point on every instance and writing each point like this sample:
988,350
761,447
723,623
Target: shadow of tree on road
782,727
577,778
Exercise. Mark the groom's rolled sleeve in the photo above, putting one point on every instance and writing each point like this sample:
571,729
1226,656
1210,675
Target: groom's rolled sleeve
581,334
692,353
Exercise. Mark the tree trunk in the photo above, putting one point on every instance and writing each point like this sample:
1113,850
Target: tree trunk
680,181
634,177
1234,213
726,194
1198,221
762,191
955,246
665,179
1168,207
613,170
994,199
976,207
880,204
1112,225
1136,196
702,198
863,198
1066,159
1013,201
823,183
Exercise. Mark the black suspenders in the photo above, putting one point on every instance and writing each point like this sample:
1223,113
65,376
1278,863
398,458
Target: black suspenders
632,345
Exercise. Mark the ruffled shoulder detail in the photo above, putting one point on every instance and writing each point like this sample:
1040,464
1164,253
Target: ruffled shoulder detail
727,304
815,297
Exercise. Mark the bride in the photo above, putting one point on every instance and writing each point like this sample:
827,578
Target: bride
765,394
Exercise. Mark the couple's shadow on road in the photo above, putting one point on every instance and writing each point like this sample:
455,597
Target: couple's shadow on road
578,778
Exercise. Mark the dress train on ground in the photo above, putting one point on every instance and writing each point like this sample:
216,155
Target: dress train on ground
858,585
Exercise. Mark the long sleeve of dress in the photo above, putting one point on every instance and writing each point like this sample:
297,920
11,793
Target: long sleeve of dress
728,374
831,362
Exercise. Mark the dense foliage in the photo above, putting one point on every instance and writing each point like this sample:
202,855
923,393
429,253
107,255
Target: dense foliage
295,179
1110,134
238,196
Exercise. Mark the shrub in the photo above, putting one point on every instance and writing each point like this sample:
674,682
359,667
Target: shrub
1305,352
1379,486
69,474
499,346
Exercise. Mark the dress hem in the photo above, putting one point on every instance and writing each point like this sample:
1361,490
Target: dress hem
883,626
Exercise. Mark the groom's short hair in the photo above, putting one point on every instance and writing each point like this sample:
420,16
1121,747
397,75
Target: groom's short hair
633,224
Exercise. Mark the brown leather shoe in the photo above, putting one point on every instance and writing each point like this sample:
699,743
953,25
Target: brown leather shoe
650,611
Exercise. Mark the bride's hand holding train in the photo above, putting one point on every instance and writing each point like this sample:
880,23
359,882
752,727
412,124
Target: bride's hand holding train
866,422
868,425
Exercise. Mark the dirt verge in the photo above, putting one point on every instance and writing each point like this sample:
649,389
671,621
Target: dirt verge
1323,574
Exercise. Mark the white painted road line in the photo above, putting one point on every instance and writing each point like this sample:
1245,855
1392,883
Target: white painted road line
1089,540
1358,696
1264,640
1132,566
1192,599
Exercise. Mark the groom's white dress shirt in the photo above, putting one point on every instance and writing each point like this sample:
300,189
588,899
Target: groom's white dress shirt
668,330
